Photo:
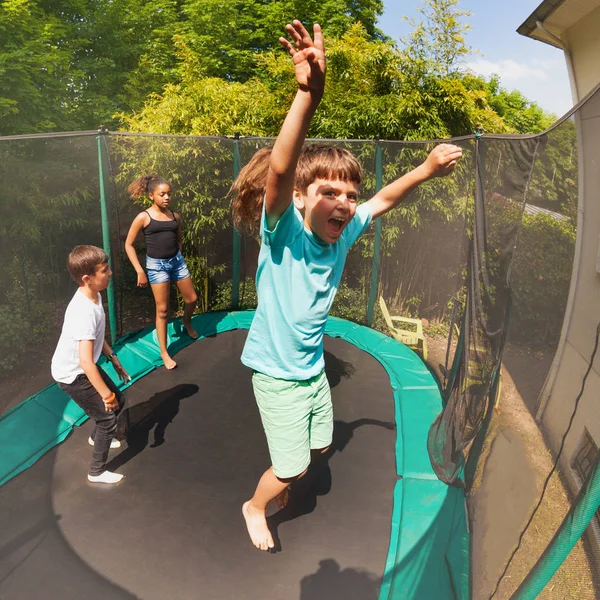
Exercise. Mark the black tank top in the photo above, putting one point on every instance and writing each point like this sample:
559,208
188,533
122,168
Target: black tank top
161,238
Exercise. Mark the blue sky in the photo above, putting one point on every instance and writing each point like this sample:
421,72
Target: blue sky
537,70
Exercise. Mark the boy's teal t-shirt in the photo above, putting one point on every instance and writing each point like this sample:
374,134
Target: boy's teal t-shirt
297,278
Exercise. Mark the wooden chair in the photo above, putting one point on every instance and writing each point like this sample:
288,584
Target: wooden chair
413,339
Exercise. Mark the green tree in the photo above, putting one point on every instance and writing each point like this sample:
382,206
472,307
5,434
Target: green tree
129,53
521,114
34,70
200,105
437,43
74,64
368,94
228,36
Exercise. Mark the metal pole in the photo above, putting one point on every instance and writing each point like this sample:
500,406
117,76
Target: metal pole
377,242
235,281
110,292
571,529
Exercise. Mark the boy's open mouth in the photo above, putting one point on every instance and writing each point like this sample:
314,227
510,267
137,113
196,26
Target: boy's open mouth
335,225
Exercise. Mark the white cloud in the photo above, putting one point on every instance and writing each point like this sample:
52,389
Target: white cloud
510,71
544,81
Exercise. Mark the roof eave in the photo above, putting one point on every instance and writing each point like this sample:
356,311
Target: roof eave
529,27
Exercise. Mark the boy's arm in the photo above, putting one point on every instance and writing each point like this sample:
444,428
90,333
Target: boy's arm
309,67
440,162
86,360
116,363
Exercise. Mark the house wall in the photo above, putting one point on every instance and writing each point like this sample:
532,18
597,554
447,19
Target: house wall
583,42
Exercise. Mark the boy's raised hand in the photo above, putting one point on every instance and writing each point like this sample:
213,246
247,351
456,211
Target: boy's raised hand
308,56
442,160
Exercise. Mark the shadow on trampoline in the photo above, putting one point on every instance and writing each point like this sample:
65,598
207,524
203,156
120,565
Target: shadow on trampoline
32,537
336,368
317,481
331,582
153,415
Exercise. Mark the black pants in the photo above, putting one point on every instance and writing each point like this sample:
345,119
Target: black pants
84,394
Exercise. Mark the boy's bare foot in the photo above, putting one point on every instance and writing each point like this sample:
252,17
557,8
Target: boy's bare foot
257,527
282,499
169,362
190,330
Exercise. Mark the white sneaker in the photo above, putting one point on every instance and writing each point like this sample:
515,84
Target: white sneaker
106,477
114,443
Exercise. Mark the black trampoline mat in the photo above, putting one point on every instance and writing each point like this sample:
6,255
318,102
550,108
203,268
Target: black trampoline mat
173,527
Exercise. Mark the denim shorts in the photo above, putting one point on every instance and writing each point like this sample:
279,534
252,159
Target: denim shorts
161,270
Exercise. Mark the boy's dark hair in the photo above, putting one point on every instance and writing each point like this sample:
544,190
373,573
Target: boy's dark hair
320,161
84,260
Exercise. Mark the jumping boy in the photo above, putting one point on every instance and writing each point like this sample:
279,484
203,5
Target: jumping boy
309,219
79,347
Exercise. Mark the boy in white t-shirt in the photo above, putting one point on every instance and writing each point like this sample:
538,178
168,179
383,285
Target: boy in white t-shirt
79,347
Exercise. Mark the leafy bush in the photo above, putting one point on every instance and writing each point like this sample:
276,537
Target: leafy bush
350,303
13,333
541,276
248,296
21,329
25,318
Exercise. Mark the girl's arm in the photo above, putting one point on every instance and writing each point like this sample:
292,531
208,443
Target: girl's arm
309,67
440,162
134,230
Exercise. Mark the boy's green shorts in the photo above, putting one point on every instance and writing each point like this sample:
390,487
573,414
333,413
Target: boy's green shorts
297,417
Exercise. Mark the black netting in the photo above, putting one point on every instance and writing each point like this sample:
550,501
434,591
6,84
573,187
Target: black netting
502,175
48,204
200,171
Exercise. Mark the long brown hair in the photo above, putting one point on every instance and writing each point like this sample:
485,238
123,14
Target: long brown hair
317,161
248,192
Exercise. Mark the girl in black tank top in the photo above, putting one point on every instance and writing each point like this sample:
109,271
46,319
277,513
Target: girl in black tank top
161,236
164,262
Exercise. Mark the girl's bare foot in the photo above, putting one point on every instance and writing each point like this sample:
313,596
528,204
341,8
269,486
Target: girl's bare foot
190,330
257,526
283,498
169,362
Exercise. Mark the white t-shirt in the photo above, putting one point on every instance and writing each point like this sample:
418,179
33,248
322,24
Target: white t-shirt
84,320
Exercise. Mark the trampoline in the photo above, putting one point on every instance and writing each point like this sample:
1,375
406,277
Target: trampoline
370,521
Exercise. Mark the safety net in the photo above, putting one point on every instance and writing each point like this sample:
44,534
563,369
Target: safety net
472,273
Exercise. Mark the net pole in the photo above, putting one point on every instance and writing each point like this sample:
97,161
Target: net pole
570,531
377,242
235,281
110,292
